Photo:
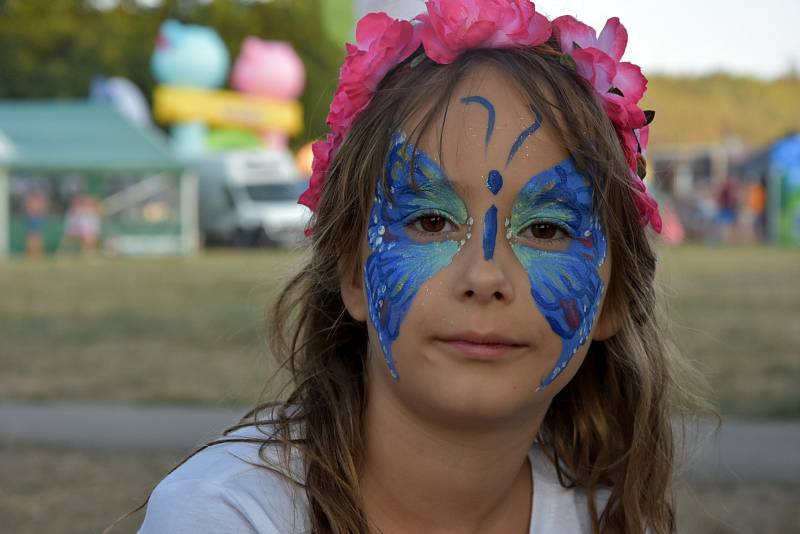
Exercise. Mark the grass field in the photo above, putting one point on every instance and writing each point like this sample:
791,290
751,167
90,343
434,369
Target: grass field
735,314
190,330
84,491
177,330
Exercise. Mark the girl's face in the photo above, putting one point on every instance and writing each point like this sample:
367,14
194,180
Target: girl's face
485,269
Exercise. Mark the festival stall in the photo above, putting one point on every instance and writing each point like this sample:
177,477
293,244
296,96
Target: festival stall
69,169
777,167
785,174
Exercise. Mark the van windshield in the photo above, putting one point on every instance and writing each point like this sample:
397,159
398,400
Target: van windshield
272,192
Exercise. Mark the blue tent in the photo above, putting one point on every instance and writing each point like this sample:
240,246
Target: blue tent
784,173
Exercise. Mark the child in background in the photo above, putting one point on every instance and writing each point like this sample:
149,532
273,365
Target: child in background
35,210
474,342
82,223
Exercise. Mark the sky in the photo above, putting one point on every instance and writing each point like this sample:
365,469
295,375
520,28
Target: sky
759,37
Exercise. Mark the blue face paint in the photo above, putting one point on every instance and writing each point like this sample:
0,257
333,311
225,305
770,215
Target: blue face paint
489,232
565,280
402,260
467,100
523,136
494,182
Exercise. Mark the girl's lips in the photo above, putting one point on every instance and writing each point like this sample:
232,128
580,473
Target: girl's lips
482,350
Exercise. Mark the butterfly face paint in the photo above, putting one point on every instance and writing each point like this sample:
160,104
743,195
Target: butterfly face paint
402,260
565,283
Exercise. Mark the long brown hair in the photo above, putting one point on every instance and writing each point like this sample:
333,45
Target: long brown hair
609,427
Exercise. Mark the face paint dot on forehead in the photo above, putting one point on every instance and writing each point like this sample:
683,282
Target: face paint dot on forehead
398,265
494,181
565,283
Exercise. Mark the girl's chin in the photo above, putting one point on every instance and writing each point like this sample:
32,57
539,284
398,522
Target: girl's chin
469,396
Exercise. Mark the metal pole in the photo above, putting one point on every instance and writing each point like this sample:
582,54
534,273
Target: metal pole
4,226
188,200
774,212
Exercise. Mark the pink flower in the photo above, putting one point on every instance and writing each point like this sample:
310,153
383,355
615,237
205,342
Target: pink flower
627,139
382,43
349,100
621,84
643,135
322,155
450,28
570,31
646,205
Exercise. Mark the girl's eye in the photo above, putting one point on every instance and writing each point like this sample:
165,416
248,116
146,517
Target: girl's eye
545,233
545,230
432,223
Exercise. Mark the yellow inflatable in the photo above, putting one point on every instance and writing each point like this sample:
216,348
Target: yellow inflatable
226,109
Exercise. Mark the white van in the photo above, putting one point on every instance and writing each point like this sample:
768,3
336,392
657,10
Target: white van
249,198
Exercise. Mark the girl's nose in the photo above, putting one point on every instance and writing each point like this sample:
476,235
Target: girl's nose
485,262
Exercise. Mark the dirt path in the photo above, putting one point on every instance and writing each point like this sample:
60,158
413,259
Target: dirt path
740,451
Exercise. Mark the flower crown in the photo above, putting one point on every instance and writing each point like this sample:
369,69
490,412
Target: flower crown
450,27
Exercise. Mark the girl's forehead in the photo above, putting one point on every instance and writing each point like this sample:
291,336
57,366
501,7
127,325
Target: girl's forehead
491,128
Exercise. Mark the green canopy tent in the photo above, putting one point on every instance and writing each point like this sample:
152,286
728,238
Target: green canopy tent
148,200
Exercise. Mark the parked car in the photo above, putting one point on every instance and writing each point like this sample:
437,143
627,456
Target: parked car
249,198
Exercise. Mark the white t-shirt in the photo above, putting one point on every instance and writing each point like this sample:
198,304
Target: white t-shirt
218,490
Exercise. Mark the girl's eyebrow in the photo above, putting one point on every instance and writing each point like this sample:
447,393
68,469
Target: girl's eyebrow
434,183
555,190
436,175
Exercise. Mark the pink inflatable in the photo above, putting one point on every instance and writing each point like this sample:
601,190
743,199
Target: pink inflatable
269,69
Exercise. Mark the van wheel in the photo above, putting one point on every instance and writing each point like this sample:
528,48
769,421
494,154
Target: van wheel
206,241
262,240
242,238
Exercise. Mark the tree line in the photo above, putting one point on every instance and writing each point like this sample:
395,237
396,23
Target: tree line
53,48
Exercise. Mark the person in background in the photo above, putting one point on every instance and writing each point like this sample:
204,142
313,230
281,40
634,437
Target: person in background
35,208
82,223
755,209
727,210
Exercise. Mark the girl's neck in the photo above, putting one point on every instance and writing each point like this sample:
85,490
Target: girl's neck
422,476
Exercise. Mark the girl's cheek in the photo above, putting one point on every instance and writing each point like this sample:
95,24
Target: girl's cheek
566,285
398,265
393,273
567,289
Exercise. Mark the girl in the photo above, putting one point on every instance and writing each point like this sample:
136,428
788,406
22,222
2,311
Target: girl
474,342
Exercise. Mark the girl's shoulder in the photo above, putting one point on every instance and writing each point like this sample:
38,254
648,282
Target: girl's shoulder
234,486
239,486
557,508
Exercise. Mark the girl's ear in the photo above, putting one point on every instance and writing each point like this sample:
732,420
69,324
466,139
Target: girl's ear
351,285
608,322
